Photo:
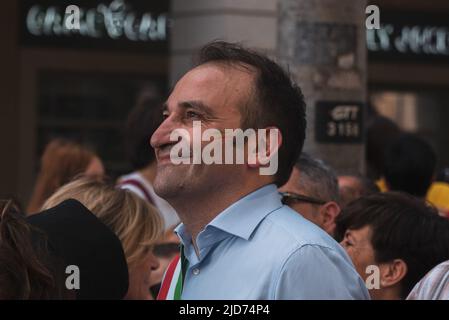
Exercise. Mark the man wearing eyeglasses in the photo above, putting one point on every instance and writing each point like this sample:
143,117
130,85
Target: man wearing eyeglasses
312,191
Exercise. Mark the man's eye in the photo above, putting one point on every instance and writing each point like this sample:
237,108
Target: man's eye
191,114
165,115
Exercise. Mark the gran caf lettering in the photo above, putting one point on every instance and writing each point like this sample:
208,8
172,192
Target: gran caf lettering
115,20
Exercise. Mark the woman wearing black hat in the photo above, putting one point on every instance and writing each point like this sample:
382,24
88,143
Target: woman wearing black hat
136,223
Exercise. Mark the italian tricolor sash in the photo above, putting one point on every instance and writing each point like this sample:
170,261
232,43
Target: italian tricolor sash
172,284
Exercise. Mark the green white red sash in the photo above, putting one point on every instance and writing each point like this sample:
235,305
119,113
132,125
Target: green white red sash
171,287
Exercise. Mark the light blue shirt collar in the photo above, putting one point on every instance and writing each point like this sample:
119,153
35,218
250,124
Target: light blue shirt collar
240,219
243,217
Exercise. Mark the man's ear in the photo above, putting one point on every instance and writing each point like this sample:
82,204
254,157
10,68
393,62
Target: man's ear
392,273
267,145
329,212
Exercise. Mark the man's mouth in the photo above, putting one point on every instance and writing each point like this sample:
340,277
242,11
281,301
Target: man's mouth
164,154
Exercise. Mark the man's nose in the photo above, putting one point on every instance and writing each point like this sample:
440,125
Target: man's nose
162,134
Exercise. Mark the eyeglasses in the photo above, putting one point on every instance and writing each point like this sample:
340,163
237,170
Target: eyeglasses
288,196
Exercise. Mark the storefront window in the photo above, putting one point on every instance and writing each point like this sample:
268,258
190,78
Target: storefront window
91,109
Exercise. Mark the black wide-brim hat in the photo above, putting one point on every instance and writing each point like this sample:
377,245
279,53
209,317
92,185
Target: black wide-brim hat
76,237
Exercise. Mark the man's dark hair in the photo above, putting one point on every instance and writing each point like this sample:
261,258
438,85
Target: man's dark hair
403,227
410,164
317,178
276,101
142,122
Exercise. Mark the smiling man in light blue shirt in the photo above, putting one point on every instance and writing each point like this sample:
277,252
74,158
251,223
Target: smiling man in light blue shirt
239,241
260,249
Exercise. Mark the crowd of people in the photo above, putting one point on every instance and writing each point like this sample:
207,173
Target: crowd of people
225,231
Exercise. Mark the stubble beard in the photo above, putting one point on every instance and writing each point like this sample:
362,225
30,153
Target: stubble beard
170,181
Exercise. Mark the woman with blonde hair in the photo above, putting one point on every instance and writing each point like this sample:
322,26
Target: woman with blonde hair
136,223
62,161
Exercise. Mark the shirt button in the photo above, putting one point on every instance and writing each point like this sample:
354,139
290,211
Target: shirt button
196,271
